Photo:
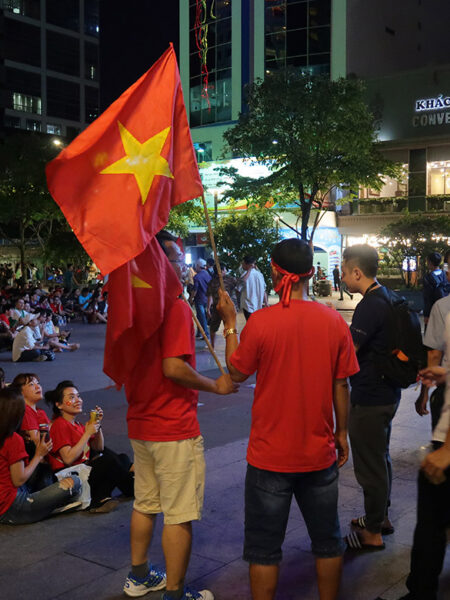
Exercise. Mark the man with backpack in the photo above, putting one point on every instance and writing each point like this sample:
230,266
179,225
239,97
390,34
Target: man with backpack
374,398
435,284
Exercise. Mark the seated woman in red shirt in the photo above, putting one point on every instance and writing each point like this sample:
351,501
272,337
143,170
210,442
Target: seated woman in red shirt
74,443
17,505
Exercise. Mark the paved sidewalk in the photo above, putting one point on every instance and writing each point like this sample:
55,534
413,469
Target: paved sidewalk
86,557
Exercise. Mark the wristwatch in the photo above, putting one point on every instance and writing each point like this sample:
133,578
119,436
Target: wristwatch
227,332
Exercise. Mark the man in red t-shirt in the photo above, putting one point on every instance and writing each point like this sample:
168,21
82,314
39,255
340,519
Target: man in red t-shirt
303,353
168,449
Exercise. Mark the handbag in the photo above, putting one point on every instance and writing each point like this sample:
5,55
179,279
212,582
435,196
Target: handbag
82,471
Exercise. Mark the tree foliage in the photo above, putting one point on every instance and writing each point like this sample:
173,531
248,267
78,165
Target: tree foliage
185,215
27,209
252,232
417,235
313,134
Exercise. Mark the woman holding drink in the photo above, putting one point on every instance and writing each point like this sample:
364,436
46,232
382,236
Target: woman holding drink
74,444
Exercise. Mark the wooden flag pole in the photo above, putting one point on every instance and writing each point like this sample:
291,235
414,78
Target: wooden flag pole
213,243
205,337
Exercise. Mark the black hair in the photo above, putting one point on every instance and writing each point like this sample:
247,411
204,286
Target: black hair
364,256
249,259
12,409
85,291
210,262
23,378
293,255
435,258
54,397
164,236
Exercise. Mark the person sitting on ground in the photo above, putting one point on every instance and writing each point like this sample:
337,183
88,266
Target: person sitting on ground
25,346
74,444
6,335
18,314
58,310
57,341
84,299
17,505
92,312
213,298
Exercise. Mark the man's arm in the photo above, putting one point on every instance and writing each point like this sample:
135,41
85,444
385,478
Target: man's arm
341,398
180,372
437,462
227,311
434,358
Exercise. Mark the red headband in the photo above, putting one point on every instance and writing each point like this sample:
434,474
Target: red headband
287,281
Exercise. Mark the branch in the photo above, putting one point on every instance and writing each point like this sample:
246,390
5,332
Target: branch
287,224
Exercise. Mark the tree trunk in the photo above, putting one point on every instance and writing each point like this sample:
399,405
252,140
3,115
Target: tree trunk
306,211
22,252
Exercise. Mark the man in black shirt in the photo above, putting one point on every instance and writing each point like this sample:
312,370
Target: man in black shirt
374,401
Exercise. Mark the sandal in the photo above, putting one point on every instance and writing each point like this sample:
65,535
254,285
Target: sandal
360,523
355,544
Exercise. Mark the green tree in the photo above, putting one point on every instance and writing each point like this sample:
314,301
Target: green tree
313,134
185,215
28,212
252,232
416,235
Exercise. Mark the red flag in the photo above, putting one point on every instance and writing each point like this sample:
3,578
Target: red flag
117,181
138,294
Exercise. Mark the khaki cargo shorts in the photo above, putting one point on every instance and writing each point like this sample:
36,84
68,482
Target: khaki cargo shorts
170,478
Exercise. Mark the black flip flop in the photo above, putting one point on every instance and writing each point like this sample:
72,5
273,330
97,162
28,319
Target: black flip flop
355,544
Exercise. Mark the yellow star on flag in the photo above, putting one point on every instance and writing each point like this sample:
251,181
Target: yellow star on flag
136,282
144,161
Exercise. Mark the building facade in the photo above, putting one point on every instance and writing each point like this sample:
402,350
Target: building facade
49,65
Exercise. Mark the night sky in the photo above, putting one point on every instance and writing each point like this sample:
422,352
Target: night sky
133,35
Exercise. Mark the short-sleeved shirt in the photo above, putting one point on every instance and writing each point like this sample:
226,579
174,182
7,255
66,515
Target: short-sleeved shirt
201,281
11,452
252,295
369,330
441,429
24,340
33,418
159,409
64,433
435,336
297,352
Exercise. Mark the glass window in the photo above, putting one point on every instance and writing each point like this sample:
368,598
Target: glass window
223,56
276,46
64,14
319,12
297,61
63,53
17,80
54,129
26,8
223,95
91,61
91,103
91,18
297,15
275,18
26,103
63,99
31,125
296,42
12,121
194,65
203,151
22,42
319,40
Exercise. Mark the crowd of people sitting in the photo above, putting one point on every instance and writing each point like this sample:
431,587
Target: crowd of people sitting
49,467
33,320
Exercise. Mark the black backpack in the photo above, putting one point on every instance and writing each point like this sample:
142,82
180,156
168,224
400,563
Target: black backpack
406,354
439,285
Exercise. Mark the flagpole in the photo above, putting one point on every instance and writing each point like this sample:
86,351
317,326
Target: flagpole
205,337
213,243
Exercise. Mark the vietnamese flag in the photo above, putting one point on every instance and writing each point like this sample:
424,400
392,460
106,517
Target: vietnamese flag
139,292
117,181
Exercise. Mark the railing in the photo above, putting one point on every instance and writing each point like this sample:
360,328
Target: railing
398,205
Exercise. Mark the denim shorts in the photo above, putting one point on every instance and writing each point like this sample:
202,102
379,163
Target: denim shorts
268,496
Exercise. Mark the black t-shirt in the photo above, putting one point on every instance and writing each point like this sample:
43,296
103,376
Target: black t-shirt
370,334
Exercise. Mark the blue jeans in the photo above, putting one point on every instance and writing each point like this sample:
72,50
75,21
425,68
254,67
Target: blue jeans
268,496
29,508
201,316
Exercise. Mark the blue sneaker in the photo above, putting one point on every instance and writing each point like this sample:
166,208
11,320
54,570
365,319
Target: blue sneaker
190,594
155,580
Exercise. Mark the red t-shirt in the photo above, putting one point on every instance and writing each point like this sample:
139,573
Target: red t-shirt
298,352
63,433
160,410
33,418
4,318
11,452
